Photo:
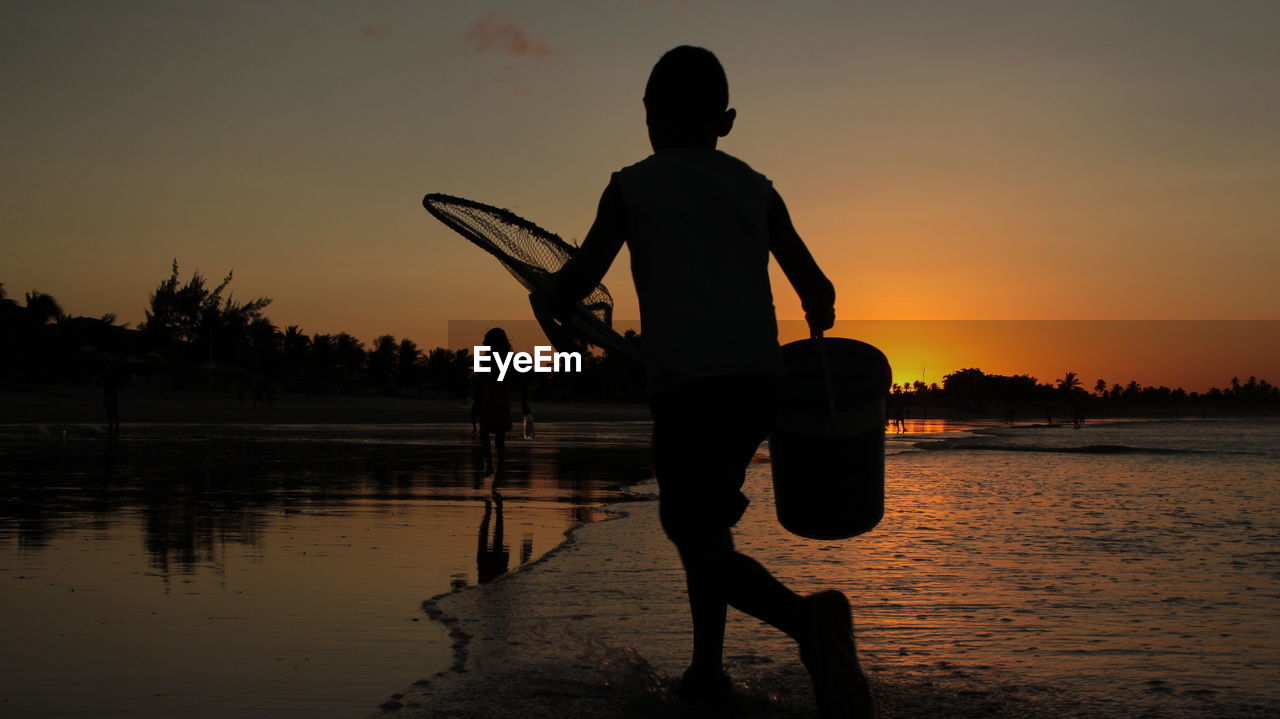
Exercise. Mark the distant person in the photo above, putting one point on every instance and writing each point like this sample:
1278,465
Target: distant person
897,418
700,226
263,395
111,400
491,404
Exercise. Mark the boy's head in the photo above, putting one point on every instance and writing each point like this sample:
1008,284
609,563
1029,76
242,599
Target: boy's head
686,100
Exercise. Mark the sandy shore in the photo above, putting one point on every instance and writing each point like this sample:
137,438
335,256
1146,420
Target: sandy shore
83,405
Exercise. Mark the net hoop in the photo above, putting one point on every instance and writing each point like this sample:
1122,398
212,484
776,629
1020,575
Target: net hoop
532,260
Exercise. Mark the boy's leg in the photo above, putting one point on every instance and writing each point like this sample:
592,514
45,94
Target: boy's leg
705,436
719,576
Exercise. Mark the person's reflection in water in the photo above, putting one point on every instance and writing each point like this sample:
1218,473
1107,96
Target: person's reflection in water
492,557
526,548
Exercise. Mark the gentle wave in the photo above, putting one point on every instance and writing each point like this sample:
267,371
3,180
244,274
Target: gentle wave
1084,449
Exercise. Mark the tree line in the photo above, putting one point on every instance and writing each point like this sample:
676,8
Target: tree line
198,335
975,390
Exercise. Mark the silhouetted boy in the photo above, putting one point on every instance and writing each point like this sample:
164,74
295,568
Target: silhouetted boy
700,226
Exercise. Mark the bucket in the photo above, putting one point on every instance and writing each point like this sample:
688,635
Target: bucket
827,446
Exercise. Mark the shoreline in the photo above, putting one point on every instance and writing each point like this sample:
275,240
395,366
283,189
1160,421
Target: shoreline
84,405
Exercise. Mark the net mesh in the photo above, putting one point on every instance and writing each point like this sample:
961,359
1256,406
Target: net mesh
530,253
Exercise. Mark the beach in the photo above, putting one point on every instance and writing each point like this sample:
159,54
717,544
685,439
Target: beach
969,601
277,569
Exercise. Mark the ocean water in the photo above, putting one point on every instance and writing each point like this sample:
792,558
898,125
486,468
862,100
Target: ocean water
1136,563
1117,570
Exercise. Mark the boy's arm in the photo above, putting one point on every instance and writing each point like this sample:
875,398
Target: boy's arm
587,267
817,294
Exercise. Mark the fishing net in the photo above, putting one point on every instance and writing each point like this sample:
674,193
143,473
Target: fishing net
532,254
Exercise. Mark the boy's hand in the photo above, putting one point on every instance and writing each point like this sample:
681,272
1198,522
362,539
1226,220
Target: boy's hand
553,320
821,320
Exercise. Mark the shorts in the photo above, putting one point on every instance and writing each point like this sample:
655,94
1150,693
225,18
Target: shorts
705,433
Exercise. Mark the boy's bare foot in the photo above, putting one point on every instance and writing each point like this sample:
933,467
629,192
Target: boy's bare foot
839,685
705,689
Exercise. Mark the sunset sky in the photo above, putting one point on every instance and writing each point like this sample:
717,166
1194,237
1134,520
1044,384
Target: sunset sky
944,160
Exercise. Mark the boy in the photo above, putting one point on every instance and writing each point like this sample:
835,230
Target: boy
700,226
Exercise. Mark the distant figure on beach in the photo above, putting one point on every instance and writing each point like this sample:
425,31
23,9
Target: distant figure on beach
111,400
491,404
263,392
897,418
700,226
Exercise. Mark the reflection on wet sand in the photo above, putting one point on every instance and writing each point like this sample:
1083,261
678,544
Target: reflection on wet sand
283,561
492,558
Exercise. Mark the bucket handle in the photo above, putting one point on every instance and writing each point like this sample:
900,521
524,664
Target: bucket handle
826,379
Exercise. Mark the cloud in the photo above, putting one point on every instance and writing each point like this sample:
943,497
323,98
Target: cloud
375,32
499,32
309,25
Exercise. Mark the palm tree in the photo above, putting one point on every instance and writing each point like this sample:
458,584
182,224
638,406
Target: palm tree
265,342
1069,382
322,355
407,363
1100,387
8,307
42,308
382,362
439,366
296,346
350,354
